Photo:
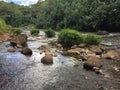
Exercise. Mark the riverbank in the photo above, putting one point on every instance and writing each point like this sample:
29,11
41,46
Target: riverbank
4,37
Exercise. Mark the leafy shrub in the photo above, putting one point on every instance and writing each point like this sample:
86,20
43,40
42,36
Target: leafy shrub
69,37
34,31
50,33
92,39
17,31
3,26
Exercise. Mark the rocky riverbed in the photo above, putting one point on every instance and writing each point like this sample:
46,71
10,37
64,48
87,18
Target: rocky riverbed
21,72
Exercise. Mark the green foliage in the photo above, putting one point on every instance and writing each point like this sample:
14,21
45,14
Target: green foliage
87,15
15,15
34,32
17,31
92,39
50,33
3,26
69,37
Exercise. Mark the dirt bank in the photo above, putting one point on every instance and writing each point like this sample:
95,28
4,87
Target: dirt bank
4,37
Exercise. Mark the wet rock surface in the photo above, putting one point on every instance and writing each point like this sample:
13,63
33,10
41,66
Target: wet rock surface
96,49
92,62
19,39
47,59
44,48
112,54
20,72
26,51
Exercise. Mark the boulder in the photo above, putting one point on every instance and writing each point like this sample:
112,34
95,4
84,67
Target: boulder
19,39
39,38
82,45
106,43
11,49
47,59
26,51
96,49
75,51
110,54
89,53
44,48
53,42
74,46
103,48
63,52
92,54
19,46
58,45
92,62
82,57
103,32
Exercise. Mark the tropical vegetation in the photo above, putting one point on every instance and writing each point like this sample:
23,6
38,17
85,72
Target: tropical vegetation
34,32
82,15
50,32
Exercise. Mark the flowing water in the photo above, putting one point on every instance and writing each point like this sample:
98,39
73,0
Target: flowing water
20,72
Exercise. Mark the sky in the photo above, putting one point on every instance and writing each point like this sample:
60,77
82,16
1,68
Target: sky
22,2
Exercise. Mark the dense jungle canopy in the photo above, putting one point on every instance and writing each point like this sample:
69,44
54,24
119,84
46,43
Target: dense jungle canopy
83,15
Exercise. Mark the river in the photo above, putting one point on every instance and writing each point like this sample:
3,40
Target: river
20,72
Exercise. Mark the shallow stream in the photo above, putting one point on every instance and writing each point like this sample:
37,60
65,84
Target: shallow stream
20,72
